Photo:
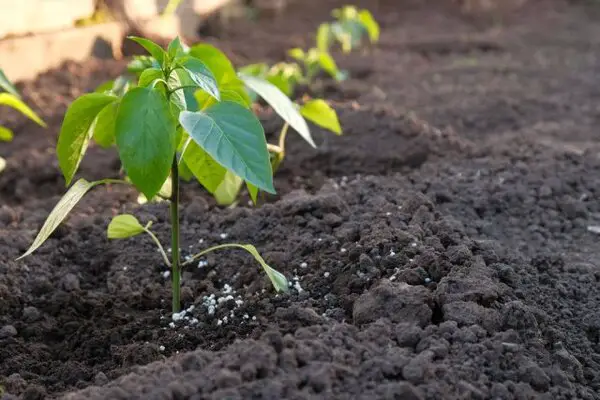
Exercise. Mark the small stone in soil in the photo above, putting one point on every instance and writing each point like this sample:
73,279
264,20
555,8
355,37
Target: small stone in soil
304,265
161,348
166,274
223,235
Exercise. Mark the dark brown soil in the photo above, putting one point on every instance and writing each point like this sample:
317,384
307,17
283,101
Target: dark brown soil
440,249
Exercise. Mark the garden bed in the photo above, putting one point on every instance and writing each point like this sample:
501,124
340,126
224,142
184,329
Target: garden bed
440,249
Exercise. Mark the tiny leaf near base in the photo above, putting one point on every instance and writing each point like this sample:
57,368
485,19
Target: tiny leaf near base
228,190
234,138
322,114
75,131
282,105
124,226
15,102
60,212
146,138
279,281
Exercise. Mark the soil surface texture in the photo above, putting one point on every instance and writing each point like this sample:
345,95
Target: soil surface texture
445,247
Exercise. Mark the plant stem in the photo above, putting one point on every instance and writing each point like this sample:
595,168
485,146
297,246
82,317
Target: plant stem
175,259
282,136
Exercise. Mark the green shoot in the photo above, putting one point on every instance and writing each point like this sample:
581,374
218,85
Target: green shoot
348,30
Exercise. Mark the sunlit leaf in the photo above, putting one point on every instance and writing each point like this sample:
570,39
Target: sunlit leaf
215,60
6,135
279,281
228,189
371,26
202,76
146,138
233,137
208,172
124,226
322,114
155,50
282,105
76,131
15,102
149,75
324,37
60,212
252,191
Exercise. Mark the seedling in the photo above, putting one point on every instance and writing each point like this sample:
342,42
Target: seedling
159,135
349,29
10,97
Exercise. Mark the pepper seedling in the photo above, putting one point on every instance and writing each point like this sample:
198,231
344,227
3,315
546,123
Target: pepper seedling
160,135
349,28
10,97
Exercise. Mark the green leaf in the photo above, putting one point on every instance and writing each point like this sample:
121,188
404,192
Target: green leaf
77,129
281,83
60,212
6,85
208,172
175,49
104,129
328,64
281,104
297,54
105,87
232,90
324,37
253,192
228,190
146,138
155,50
15,102
202,76
259,69
233,137
124,226
279,281
149,75
6,135
322,114
372,27
215,60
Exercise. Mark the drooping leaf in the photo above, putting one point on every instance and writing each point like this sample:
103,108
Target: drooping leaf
15,102
322,114
76,131
104,128
228,189
60,212
328,64
233,137
371,26
202,76
282,105
324,37
6,135
215,60
146,138
155,50
208,172
124,226
6,85
279,281
149,75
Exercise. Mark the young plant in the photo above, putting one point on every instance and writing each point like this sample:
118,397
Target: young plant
314,61
159,135
348,30
10,97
